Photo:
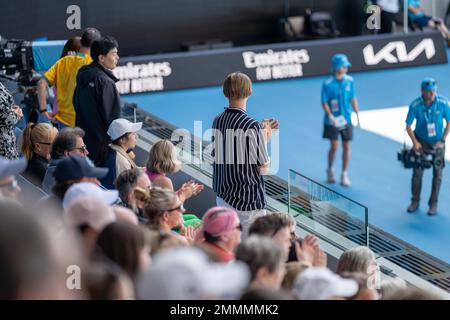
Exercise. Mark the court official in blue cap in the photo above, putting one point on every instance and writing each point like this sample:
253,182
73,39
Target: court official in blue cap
338,102
428,111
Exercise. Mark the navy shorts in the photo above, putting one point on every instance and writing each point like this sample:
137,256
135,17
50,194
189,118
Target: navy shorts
422,21
332,133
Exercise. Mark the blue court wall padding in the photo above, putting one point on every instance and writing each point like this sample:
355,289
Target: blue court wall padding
290,60
46,53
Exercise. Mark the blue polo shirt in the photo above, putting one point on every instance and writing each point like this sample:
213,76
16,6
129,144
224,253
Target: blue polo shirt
416,4
338,94
435,113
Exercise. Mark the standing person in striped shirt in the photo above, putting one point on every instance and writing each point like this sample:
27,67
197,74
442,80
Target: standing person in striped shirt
240,153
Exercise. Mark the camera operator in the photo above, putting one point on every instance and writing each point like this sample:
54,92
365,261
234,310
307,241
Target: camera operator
429,136
10,114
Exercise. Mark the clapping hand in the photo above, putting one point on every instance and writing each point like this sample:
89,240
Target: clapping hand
189,232
270,124
310,252
190,189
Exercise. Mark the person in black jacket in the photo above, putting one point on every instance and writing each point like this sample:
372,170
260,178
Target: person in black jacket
37,140
96,99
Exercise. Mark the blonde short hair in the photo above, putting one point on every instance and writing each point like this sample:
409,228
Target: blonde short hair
293,269
237,85
355,260
163,158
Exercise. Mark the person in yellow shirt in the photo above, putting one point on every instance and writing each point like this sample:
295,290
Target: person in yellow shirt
63,75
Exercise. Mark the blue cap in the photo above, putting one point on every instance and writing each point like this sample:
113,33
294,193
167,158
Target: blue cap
340,60
77,167
428,84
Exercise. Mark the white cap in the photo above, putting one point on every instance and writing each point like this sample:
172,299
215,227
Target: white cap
322,284
185,273
83,189
125,215
119,127
91,211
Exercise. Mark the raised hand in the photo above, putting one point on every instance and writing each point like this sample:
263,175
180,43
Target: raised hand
305,252
189,233
190,189
320,257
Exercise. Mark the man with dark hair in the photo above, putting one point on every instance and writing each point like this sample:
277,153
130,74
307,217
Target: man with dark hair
68,142
276,226
279,227
63,75
125,184
96,99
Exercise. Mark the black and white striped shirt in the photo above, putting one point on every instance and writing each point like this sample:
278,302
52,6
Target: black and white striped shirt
239,149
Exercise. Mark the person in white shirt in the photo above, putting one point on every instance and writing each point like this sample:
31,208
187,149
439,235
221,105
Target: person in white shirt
120,156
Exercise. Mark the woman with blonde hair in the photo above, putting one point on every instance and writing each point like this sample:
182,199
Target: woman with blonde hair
162,161
164,211
36,146
359,259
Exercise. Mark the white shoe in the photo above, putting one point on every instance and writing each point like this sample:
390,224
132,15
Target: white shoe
330,176
345,181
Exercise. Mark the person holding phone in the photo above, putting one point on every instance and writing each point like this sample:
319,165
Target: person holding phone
10,114
338,100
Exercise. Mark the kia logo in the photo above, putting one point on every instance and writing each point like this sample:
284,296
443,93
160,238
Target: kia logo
395,52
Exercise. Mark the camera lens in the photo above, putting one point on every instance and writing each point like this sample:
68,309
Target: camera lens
438,163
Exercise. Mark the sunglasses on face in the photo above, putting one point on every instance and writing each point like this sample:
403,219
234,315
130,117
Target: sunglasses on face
46,143
239,227
82,149
179,208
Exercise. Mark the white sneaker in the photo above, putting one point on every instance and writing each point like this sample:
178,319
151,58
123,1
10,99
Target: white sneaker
330,176
345,181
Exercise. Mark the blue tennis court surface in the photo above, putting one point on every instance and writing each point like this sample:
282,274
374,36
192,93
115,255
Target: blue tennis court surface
379,182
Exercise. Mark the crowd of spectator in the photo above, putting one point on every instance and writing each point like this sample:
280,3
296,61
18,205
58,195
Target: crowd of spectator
110,229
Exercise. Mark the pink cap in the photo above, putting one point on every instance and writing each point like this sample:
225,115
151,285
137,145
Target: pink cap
91,211
219,220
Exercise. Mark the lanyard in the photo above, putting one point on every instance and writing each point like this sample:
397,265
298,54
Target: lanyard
431,110
340,100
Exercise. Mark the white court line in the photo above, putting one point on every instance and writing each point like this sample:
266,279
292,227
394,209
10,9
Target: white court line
389,123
